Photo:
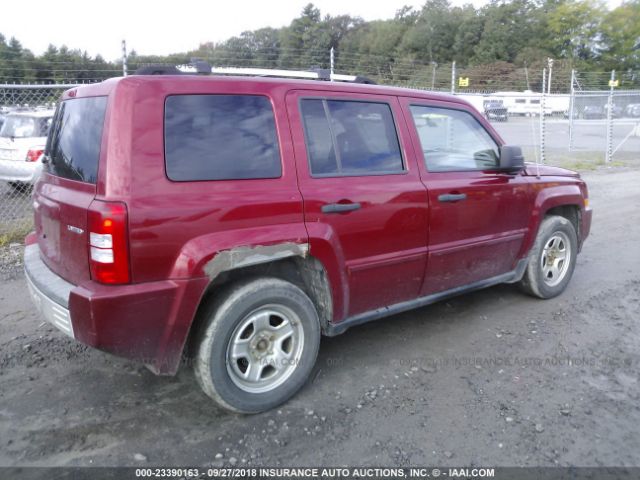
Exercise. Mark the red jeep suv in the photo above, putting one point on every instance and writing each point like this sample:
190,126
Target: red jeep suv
232,221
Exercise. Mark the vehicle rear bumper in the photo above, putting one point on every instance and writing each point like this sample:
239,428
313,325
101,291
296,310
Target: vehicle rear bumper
48,292
19,171
147,322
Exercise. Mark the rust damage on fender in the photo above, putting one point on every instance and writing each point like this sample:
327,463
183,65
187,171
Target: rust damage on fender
254,255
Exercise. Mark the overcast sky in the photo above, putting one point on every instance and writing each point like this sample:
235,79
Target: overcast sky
161,26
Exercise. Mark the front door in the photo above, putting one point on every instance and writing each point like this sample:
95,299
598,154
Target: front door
362,194
478,215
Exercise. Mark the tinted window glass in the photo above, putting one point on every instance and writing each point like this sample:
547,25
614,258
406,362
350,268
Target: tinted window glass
320,146
220,137
73,146
350,138
453,140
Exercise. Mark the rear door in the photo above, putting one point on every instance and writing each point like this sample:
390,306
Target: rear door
478,215
362,192
68,186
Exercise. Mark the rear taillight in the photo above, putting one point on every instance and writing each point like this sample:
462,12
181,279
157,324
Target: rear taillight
34,154
108,242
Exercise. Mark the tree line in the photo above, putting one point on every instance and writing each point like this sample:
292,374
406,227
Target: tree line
504,41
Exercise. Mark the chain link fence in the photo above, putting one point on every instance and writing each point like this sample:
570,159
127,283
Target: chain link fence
606,121
25,113
559,116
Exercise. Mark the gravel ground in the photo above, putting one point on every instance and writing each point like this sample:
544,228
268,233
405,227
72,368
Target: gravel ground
491,378
10,263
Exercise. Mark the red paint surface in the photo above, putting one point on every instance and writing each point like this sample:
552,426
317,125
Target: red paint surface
401,244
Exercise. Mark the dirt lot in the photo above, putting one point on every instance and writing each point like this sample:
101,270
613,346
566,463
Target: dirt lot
492,378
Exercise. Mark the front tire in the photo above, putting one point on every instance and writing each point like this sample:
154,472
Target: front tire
258,346
552,259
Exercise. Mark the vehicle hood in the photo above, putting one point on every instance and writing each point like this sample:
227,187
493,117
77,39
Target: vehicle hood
530,169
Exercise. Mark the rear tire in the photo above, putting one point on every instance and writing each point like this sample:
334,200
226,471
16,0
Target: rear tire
258,345
552,258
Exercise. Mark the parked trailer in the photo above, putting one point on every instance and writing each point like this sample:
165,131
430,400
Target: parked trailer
525,103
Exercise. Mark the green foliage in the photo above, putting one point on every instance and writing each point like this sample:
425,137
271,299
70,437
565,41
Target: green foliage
509,27
504,39
468,33
55,65
621,37
432,36
575,27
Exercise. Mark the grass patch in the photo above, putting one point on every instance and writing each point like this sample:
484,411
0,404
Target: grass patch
14,233
585,161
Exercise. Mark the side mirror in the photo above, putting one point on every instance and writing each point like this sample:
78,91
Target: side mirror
511,158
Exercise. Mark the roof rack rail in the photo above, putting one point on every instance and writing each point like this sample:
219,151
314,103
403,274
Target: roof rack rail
157,69
317,74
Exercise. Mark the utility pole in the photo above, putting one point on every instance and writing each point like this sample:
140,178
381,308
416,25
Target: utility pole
453,78
434,65
572,106
124,58
612,83
550,63
526,75
542,119
331,61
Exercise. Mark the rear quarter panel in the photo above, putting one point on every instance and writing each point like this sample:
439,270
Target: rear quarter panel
176,227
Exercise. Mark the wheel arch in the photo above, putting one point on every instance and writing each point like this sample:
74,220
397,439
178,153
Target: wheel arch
572,213
563,200
304,271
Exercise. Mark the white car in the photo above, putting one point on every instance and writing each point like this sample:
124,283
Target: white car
22,140
632,110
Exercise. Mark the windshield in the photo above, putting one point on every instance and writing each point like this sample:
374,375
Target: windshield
21,126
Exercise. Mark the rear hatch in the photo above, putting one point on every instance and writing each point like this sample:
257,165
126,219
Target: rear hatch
68,186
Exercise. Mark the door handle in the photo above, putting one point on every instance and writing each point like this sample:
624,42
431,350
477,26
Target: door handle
340,207
452,197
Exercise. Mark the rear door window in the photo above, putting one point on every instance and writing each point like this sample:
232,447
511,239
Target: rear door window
73,146
350,138
220,137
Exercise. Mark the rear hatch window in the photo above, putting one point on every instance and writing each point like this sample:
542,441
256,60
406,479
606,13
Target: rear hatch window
22,126
73,147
